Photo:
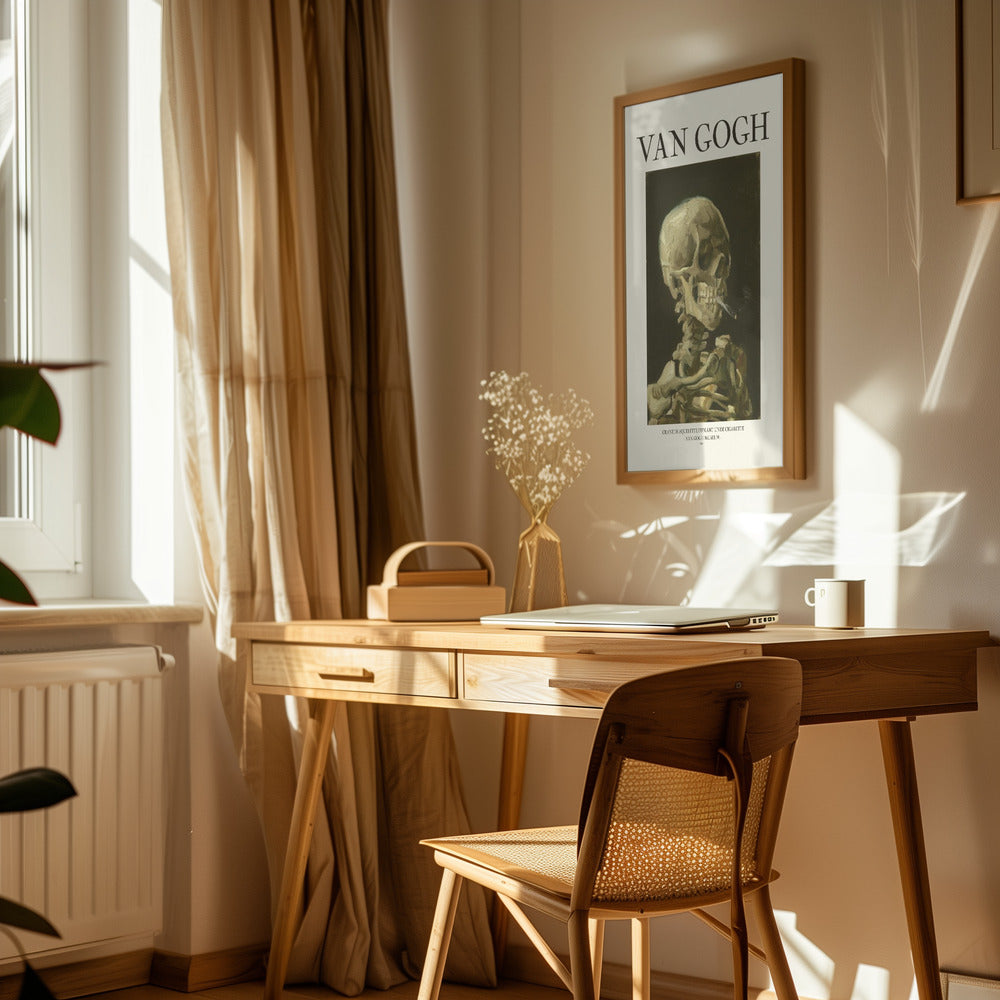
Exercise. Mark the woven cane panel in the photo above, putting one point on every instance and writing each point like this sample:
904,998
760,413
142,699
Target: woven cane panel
671,834
550,851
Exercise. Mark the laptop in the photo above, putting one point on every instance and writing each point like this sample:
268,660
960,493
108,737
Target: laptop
653,618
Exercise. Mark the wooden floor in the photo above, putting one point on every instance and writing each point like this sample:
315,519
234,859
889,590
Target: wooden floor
408,991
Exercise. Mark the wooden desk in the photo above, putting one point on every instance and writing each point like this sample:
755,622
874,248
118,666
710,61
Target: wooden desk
889,675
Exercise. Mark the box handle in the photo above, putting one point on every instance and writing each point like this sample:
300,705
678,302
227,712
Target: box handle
389,575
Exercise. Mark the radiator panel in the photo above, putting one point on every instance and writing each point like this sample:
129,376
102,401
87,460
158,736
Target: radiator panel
93,865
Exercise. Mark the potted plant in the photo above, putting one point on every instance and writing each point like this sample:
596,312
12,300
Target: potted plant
28,404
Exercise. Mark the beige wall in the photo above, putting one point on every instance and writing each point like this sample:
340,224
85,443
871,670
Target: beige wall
504,130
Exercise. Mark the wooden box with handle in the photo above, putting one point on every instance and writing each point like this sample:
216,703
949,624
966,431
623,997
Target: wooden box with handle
436,595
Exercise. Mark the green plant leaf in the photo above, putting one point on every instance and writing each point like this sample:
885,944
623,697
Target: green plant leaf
32,987
12,587
15,915
34,788
27,402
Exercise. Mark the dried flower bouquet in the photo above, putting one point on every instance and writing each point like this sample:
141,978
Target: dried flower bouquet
530,440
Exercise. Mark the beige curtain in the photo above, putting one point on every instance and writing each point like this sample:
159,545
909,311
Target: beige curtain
299,456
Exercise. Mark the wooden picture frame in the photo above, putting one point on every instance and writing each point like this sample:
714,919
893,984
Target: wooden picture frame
709,261
977,92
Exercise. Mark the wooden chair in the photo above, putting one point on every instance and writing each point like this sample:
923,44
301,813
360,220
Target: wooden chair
680,810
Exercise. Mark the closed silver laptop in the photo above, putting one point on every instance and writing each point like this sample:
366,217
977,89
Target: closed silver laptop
655,618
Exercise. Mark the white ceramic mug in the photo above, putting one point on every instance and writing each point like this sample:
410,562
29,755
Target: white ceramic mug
838,603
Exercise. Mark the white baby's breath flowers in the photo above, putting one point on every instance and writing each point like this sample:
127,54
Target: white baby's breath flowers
529,438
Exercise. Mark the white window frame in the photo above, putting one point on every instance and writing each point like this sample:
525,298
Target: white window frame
49,546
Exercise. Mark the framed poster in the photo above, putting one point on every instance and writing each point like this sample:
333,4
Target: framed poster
709,279
977,50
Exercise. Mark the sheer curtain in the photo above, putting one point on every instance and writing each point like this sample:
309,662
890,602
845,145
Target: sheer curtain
297,426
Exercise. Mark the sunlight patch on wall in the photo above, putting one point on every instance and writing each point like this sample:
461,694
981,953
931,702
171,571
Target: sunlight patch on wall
987,224
654,527
880,110
661,558
867,531
718,553
866,476
914,217
747,525
925,521
811,968
871,983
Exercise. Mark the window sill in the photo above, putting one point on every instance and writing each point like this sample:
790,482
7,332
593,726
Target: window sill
77,614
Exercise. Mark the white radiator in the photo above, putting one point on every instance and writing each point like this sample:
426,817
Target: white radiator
92,865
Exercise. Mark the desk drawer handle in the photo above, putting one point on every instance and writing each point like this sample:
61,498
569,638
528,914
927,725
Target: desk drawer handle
349,674
579,684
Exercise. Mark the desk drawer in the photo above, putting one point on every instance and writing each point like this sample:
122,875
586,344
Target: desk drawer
580,682
428,673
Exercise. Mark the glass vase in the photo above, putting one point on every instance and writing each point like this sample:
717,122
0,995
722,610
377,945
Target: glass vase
539,581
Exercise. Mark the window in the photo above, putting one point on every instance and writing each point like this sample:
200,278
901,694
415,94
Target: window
44,281
13,455
94,516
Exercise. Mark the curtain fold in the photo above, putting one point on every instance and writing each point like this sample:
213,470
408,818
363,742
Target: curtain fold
298,435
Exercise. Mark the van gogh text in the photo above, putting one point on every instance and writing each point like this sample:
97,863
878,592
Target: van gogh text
739,131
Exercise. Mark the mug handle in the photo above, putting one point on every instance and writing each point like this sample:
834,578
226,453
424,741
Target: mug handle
812,591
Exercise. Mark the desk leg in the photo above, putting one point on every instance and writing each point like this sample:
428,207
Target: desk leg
515,745
315,746
901,780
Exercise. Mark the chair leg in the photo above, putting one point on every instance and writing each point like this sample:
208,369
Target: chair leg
777,962
741,959
640,959
580,963
597,951
437,947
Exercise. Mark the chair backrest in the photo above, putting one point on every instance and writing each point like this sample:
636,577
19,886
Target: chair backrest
687,774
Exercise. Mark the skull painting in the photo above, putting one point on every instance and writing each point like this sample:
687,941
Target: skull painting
699,384
695,258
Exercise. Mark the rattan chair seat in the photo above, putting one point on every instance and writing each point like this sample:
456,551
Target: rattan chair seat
687,866
544,857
